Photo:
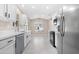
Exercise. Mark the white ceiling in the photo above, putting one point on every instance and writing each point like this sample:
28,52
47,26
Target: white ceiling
44,10
39,10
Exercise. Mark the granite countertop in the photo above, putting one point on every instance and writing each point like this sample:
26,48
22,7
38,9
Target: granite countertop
7,34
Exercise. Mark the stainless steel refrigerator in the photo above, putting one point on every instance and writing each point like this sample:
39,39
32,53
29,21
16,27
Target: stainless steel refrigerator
68,30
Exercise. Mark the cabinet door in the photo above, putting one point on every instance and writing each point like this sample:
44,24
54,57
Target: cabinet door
2,10
19,44
12,12
22,19
27,39
22,22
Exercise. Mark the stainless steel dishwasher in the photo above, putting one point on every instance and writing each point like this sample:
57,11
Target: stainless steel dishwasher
19,43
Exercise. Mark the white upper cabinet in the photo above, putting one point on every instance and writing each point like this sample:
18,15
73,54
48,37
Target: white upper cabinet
2,13
22,22
8,12
12,12
23,19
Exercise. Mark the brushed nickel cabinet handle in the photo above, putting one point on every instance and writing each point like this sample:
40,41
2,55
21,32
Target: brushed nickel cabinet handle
5,14
10,41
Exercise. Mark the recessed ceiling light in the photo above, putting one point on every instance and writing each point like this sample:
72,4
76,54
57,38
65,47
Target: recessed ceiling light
22,5
33,6
67,8
72,9
47,7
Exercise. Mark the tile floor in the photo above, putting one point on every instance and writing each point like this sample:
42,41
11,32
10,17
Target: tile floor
40,45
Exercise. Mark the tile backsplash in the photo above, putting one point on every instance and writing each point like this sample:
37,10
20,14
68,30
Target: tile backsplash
5,25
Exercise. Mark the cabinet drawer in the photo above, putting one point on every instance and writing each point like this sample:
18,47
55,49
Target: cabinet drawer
10,49
6,42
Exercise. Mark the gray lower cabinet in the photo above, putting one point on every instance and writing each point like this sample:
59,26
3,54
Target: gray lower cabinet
19,43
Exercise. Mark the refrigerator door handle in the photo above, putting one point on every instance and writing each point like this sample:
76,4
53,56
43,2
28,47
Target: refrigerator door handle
62,26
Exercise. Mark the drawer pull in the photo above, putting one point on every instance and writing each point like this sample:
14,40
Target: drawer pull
10,41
